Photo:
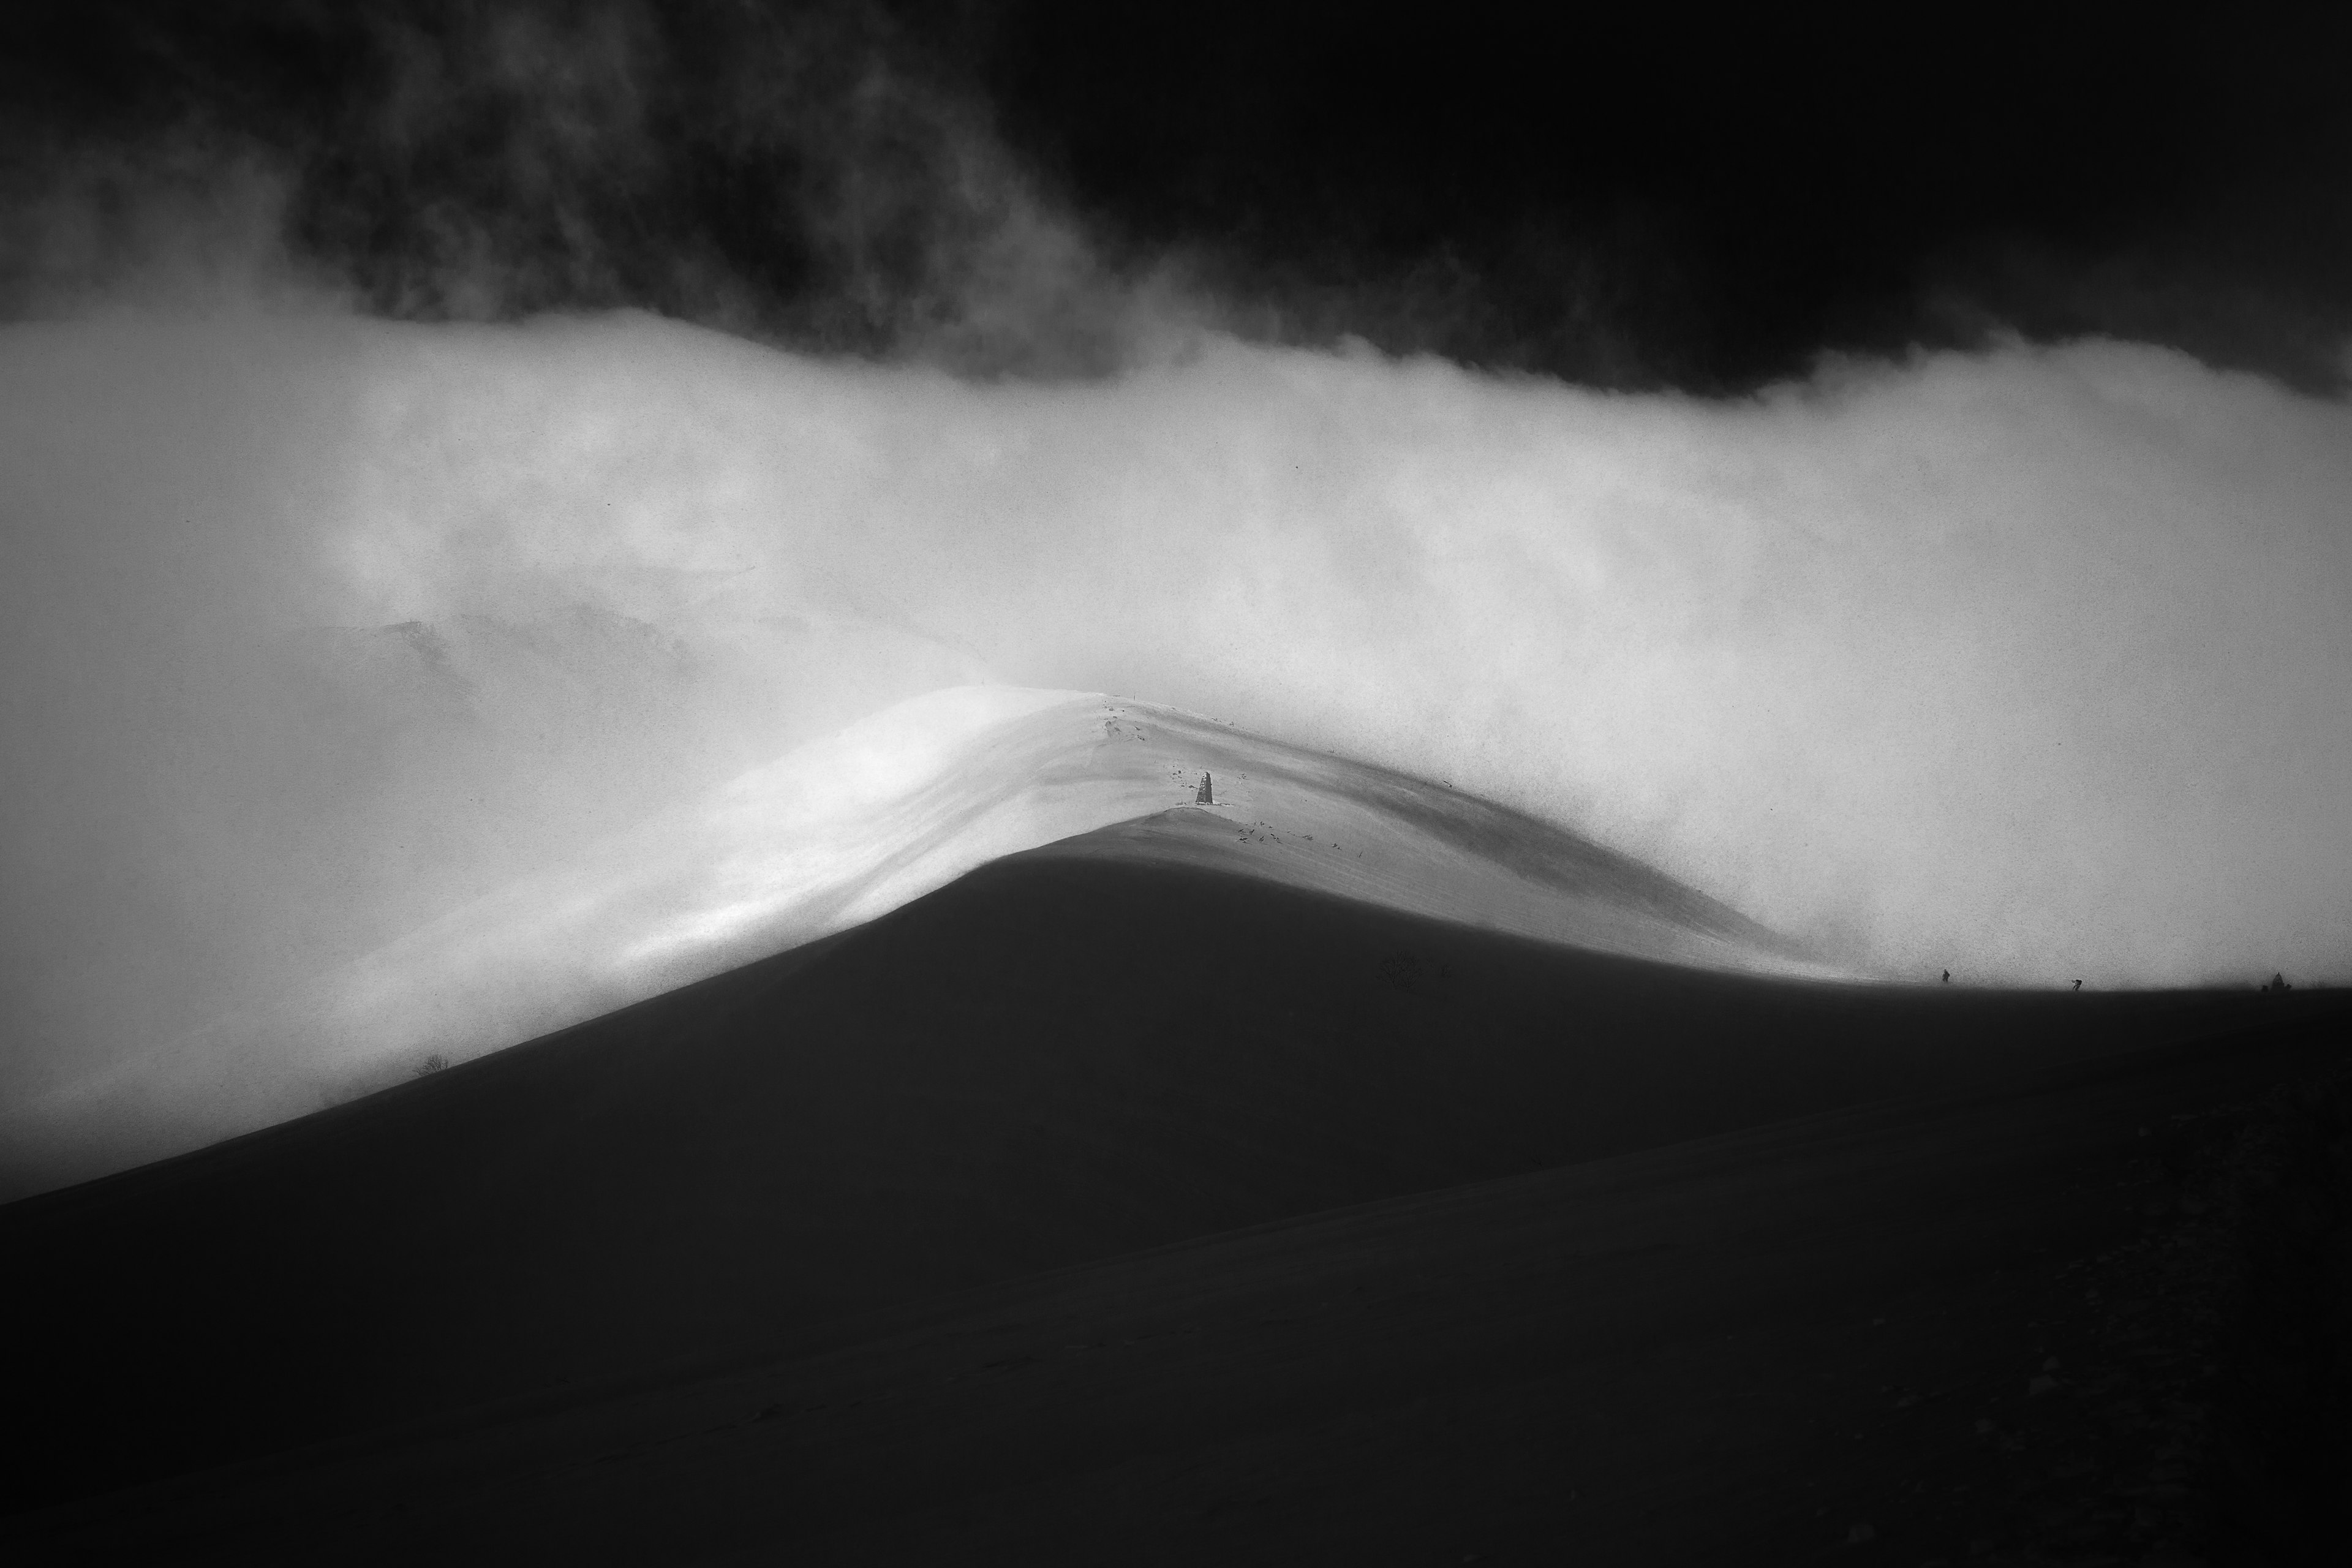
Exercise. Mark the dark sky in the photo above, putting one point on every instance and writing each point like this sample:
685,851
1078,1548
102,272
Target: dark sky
1639,196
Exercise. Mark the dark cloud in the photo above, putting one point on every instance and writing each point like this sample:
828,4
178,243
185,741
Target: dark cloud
1623,200
1641,198
804,174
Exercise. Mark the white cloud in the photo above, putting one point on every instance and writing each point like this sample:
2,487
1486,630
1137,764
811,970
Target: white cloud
2032,664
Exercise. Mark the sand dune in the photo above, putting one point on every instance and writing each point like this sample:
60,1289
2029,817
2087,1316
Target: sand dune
1008,1087
1065,1056
843,831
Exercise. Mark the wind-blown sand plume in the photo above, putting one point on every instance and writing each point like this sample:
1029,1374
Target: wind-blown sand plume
1368,834
850,827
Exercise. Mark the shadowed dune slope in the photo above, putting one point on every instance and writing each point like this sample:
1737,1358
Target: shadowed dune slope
1069,1054
1726,1349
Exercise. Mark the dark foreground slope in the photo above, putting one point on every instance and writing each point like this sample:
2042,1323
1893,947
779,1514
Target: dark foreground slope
1052,1061
2047,1323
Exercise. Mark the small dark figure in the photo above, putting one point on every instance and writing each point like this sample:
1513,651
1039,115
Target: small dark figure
1204,797
1947,978
2278,983
2078,986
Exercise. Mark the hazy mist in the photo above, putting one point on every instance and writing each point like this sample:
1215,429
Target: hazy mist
2033,663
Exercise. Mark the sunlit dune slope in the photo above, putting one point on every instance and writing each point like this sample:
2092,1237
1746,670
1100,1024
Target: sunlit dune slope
849,828
1065,1055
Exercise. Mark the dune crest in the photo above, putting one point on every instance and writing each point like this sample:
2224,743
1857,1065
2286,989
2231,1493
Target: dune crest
848,829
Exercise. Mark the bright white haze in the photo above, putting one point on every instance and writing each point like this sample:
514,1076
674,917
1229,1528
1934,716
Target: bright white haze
2033,665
